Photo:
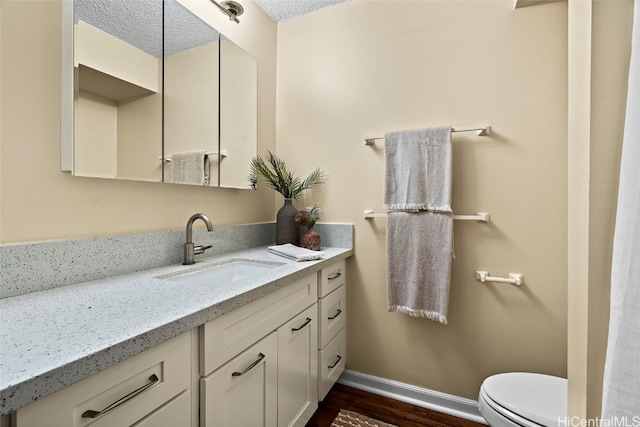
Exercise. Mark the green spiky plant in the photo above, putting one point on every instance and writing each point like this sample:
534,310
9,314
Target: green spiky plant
278,177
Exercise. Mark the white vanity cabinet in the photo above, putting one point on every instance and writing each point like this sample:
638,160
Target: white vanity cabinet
258,362
332,338
266,363
152,388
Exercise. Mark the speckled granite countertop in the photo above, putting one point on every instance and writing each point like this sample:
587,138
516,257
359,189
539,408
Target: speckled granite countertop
54,338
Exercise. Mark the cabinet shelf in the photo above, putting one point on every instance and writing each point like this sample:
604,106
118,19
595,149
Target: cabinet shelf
107,86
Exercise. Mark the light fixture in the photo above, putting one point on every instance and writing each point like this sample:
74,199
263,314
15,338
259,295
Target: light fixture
230,8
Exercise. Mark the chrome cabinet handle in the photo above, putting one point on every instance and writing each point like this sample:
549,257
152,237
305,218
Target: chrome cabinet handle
250,367
338,313
334,276
95,414
306,322
336,362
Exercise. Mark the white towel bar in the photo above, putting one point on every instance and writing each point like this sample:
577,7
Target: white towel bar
223,154
481,131
479,216
514,278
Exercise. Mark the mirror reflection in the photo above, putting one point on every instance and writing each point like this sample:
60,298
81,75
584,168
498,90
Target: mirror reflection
238,114
122,76
117,96
191,96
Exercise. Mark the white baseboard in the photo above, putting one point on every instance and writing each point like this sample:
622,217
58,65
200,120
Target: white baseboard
425,398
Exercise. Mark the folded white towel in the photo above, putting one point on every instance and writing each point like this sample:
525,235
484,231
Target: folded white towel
190,167
295,253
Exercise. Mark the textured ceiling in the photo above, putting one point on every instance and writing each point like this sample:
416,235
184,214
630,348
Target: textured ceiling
183,30
282,10
139,23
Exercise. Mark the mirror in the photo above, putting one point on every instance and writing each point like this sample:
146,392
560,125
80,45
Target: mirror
117,112
191,97
238,114
141,108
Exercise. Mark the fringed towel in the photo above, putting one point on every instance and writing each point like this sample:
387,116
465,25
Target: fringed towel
418,170
190,167
419,263
418,181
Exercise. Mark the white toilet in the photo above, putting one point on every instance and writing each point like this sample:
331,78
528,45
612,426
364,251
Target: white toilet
523,399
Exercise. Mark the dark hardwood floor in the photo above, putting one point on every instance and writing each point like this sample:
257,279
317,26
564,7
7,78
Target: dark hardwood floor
381,408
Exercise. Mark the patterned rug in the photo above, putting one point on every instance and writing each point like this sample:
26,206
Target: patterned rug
352,419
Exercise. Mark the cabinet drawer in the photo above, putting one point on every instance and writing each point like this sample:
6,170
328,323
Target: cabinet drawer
332,312
331,363
330,278
123,394
226,336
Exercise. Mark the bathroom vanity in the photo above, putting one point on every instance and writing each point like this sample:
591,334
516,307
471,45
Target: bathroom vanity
163,350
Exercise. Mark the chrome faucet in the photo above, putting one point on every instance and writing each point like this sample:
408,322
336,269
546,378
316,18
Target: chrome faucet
189,249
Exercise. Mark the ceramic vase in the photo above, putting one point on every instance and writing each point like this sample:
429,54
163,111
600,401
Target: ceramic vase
287,231
310,240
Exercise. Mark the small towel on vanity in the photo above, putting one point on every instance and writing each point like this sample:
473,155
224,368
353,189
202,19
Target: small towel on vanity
295,253
418,183
190,167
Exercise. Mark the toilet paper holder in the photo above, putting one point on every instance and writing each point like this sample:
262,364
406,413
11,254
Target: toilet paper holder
514,278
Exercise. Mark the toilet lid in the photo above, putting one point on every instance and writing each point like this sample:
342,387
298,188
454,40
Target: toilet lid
536,397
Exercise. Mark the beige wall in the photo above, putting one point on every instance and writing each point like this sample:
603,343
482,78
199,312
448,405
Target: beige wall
97,128
597,93
366,67
138,134
38,202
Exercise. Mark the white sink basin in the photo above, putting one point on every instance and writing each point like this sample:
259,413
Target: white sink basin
224,272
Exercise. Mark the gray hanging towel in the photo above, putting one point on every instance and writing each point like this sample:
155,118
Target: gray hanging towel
418,182
418,170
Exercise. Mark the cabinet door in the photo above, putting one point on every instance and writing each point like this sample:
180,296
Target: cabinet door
297,369
176,413
243,392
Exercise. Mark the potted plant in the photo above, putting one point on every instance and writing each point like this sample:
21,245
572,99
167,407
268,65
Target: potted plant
277,176
310,239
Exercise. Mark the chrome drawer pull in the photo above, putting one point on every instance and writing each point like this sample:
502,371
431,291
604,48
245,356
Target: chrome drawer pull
95,414
250,367
306,322
338,313
334,276
336,362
